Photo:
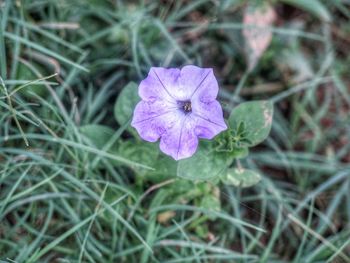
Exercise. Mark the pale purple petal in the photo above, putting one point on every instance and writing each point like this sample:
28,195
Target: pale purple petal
209,119
197,84
178,106
160,83
180,141
152,118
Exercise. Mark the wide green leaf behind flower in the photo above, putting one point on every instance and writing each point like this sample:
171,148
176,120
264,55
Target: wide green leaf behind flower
256,117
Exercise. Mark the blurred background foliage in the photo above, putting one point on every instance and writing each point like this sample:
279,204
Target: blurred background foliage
86,189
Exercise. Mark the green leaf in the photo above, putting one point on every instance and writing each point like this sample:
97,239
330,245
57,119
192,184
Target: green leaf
205,164
25,73
164,168
225,144
241,177
98,135
314,7
256,117
184,190
126,102
139,152
211,202
239,153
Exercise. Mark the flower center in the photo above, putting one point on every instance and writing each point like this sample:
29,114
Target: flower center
185,106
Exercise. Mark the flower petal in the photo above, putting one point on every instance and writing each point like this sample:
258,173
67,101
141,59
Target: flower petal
152,118
160,83
197,84
209,119
180,141
159,114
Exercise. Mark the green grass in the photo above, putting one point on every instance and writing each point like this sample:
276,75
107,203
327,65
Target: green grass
64,199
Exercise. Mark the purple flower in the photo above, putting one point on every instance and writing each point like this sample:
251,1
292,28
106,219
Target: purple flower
178,106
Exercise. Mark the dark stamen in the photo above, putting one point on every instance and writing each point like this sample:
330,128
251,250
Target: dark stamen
186,106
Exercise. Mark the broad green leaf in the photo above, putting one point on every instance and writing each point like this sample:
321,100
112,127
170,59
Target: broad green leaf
314,7
239,153
211,202
126,102
98,135
241,177
164,168
184,190
205,164
255,118
139,152
25,73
